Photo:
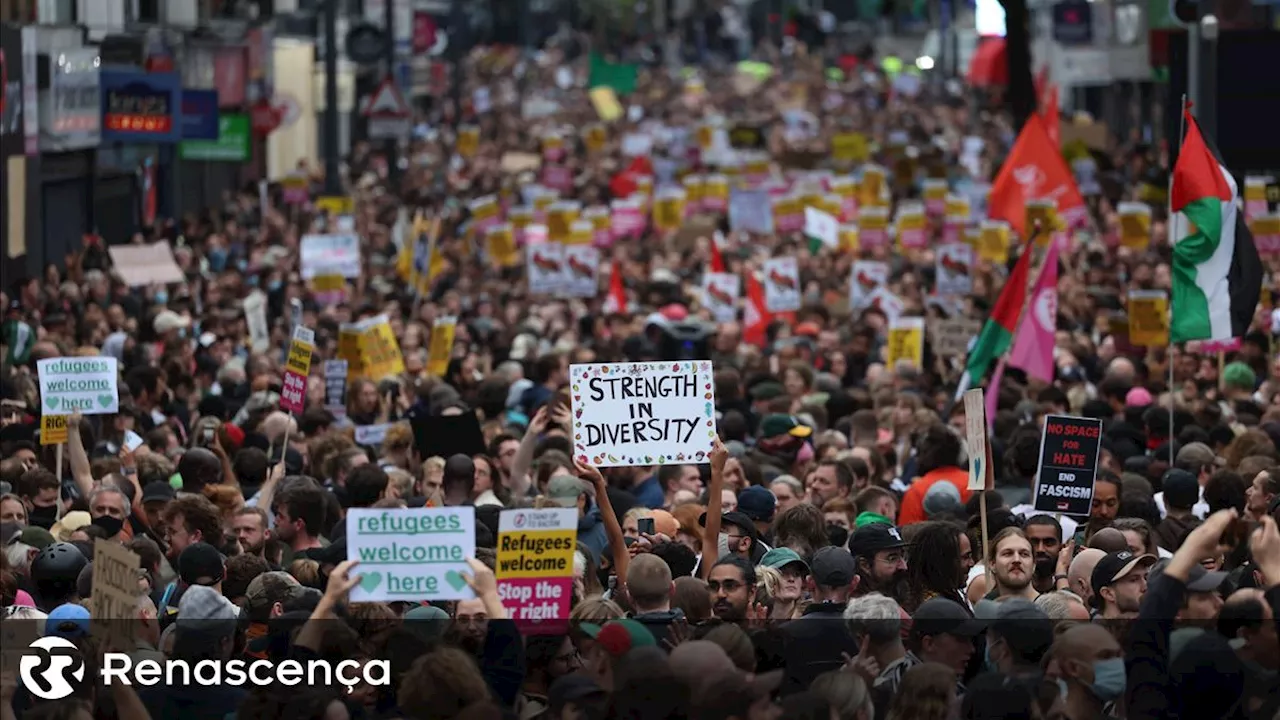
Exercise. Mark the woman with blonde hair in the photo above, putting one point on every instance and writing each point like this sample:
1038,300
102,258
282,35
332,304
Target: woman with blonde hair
927,692
846,693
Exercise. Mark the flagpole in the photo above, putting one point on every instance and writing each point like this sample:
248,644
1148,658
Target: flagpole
1033,279
1173,234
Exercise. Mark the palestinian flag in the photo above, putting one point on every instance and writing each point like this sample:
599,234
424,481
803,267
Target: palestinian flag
996,336
1217,273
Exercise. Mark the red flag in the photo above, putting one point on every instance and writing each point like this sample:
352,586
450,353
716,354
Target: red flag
1034,170
717,260
616,301
756,317
1197,174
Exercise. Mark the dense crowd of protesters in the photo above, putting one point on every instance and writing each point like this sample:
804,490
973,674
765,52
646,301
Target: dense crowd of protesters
828,562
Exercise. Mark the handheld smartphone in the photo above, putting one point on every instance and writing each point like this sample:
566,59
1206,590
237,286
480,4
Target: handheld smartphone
644,526
206,436
132,440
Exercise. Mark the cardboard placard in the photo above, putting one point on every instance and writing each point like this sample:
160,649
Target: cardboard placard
142,265
113,603
653,413
975,427
535,567
411,554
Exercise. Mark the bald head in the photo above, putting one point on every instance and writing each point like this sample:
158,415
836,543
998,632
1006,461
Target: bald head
1109,540
1122,368
1084,643
276,425
1080,574
692,662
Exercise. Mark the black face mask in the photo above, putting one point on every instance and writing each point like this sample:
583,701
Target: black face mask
112,526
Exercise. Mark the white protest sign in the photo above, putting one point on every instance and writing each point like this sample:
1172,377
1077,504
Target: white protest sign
886,302
637,145
720,293
255,316
546,268
654,413
141,265
975,427
372,435
822,226
411,554
88,385
954,269
865,278
330,255
751,211
782,284
581,270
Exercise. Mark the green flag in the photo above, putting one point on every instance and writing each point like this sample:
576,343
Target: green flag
619,76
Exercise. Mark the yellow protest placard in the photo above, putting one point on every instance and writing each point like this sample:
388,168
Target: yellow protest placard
560,218
594,137
850,147
906,341
599,217
757,165
956,210
871,190
605,101
706,136
1148,318
1044,212
53,429
552,145
787,206
500,241
934,191
370,349
715,191
693,188
1135,225
581,232
520,217
483,209
849,239
544,200
668,211
993,242
468,140
440,348
335,205
328,283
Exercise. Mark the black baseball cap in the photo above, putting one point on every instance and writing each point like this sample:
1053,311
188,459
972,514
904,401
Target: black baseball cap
201,564
1115,566
158,491
833,567
736,519
941,616
871,538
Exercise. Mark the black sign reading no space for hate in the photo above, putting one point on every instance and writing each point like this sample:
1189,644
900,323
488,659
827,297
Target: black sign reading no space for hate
1068,464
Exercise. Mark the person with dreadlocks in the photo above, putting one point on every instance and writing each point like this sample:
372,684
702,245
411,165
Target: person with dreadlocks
935,567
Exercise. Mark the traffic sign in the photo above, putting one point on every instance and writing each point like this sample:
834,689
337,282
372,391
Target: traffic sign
366,44
388,113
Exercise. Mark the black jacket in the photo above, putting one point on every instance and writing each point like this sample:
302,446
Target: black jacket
814,644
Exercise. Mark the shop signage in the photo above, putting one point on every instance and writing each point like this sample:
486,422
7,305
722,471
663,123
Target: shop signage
140,107
232,144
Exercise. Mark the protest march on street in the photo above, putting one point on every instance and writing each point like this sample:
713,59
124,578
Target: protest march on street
785,384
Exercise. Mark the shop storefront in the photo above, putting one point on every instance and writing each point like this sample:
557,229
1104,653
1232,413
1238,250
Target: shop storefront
70,131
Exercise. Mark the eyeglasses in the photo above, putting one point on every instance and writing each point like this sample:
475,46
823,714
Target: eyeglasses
728,586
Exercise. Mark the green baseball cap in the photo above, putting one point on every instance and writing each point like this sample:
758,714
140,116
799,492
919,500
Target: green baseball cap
779,558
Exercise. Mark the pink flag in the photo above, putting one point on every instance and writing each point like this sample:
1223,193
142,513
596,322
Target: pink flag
1033,346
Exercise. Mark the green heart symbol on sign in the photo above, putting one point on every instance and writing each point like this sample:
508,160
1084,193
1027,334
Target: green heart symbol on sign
370,581
51,403
455,580
105,400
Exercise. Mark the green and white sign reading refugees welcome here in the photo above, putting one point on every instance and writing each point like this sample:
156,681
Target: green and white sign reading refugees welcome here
411,554
88,385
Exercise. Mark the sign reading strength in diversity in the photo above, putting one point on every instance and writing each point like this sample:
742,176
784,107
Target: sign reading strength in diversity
651,413
411,554
535,567
88,385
